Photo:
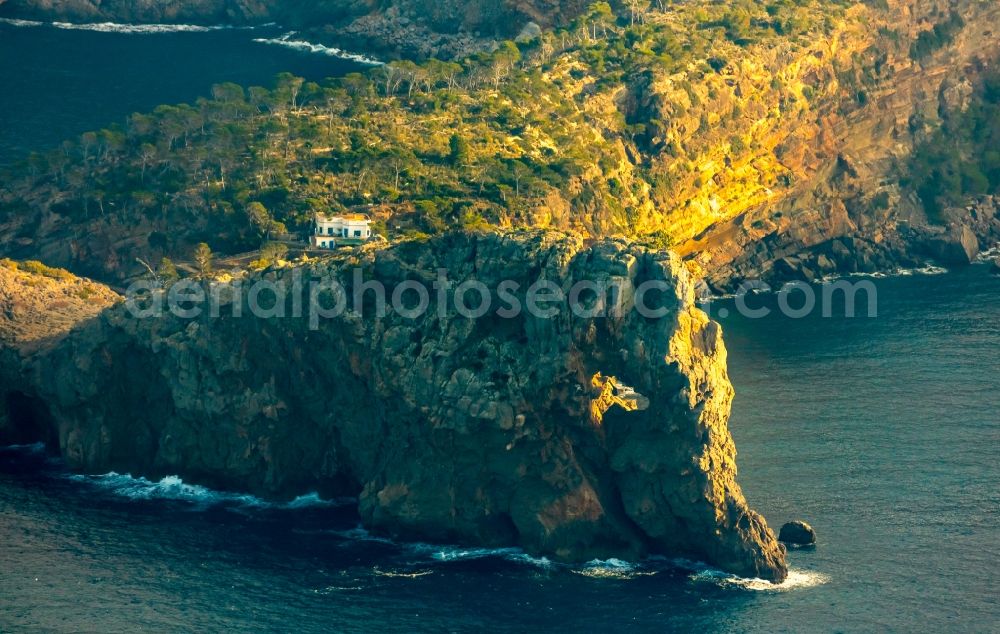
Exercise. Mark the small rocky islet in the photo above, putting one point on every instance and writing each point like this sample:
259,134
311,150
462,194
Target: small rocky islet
797,533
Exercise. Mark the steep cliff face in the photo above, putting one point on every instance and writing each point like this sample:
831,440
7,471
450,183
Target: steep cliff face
38,306
849,203
574,437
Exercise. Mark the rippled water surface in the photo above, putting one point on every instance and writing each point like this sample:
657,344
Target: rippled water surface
56,83
883,433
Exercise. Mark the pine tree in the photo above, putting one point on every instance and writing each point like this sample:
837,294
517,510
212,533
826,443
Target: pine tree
203,260
167,271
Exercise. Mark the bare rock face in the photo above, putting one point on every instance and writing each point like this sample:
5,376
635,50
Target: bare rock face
572,436
959,246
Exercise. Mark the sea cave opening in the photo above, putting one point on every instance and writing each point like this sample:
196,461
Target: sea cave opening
25,420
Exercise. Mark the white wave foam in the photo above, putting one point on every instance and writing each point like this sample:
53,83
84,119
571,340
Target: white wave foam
115,27
314,500
929,269
174,488
989,255
309,47
402,574
334,589
21,23
112,27
360,534
38,447
455,553
169,488
613,569
441,553
797,580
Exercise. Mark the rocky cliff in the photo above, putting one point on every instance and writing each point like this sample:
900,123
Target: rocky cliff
771,148
829,189
410,28
573,437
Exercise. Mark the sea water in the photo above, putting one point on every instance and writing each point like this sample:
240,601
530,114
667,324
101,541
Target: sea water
60,80
882,432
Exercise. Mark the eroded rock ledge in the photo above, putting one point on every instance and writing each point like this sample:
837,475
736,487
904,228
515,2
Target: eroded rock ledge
572,437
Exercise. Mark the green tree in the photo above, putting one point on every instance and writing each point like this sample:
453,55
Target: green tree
288,88
203,260
273,252
259,218
458,150
167,271
600,17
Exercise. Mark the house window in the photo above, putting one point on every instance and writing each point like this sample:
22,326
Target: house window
323,244
329,231
357,234
344,232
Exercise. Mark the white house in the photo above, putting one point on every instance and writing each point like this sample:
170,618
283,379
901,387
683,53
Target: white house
347,229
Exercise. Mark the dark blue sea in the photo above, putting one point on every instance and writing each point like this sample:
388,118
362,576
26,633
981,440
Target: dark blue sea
57,82
882,432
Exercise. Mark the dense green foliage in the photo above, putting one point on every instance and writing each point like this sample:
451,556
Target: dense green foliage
962,160
941,35
557,131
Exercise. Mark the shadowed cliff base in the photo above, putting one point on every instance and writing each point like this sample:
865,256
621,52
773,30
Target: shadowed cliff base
493,431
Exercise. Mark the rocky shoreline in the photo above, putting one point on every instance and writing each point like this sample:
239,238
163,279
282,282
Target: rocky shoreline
410,29
573,438
885,247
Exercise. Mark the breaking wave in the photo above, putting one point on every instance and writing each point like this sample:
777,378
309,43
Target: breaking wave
989,255
34,448
114,27
111,27
22,23
418,555
457,553
359,534
405,574
797,580
928,269
309,47
616,569
174,488
423,553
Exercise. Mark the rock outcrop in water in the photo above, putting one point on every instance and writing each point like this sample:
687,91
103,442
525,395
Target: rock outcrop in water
797,533
573,437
